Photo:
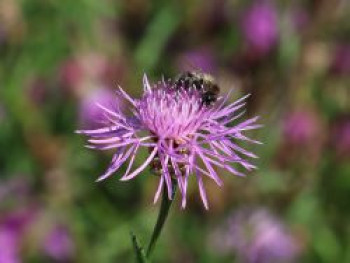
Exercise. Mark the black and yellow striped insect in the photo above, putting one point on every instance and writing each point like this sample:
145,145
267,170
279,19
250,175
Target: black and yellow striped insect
204,83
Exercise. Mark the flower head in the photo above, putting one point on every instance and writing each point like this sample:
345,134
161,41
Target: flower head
184,136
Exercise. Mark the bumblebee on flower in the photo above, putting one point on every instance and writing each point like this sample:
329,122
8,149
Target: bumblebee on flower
184,136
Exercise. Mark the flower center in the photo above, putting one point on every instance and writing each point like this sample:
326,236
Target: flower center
171,113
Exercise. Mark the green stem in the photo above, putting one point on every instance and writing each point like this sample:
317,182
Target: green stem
162,216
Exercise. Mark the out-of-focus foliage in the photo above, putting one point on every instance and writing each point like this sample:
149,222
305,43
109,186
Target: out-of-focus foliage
57,57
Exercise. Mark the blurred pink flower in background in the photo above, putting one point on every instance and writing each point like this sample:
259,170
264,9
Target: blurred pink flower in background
255,236
18,220
302,139
88,68
340,137
341,60
12,228
59,245
300,127
16,187
83,69
199,59
38,90
71,73
90,114
260,26
88,77
300,18
9,245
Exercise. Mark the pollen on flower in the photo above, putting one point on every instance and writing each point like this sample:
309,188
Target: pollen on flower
184,137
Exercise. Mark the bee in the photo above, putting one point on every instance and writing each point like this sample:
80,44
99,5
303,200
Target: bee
202,82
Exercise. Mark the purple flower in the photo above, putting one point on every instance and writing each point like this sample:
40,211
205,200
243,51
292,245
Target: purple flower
59,245
340,136
12,228
183,135
71,73
341,60
81,69
38,91
300,127
9,246
203,59
300,18
15,188
91,115
255,236
260,26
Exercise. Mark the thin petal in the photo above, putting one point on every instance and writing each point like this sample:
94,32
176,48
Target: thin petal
146,85
98,131
185,182
212,174
111,112
159,190
109,140
117,161
202,190
131,162
126,96
142,167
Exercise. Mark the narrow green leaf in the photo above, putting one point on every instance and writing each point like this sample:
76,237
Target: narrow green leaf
138,249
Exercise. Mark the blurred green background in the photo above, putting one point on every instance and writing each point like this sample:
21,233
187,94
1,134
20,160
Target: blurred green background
58,57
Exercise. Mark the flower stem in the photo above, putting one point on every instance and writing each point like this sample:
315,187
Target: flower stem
162,216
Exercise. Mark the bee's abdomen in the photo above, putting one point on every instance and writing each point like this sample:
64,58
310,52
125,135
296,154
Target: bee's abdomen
201,82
